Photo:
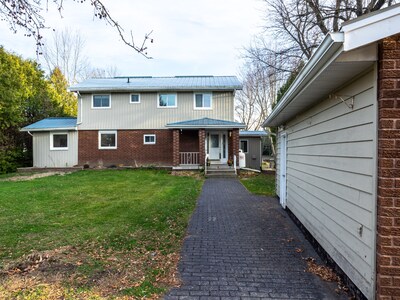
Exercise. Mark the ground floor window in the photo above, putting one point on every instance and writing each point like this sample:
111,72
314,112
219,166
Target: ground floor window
107,140
149,139
243,145
59,141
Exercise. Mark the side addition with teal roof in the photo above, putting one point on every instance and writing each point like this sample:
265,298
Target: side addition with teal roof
55,142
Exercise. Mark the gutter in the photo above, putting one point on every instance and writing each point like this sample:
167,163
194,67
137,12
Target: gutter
29,130
328,48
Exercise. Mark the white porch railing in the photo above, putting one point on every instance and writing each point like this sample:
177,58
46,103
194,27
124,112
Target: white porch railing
189,158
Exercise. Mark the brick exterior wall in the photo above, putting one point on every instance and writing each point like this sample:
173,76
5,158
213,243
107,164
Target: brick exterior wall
388,219
130,149
175,147
233,145
202,146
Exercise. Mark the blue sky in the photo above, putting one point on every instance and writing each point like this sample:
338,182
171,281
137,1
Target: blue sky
190,36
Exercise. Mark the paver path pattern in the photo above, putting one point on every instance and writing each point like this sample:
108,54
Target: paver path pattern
242,246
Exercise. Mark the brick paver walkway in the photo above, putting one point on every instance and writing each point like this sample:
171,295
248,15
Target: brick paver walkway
241,246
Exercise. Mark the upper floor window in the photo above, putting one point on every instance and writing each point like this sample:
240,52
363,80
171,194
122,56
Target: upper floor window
107,140
202,101
59,141
135,98
101,101
167,100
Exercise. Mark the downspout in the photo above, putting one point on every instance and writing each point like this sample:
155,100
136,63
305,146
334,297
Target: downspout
80,110
30,133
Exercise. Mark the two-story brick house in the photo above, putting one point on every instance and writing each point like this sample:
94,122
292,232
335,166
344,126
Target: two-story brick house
139,121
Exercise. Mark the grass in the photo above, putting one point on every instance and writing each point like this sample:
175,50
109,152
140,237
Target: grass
260,184
93,234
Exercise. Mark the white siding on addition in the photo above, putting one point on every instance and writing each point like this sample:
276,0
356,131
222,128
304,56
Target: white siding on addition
43,157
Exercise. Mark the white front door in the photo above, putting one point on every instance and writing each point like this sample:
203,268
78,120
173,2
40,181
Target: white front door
282,177
217,146
215,150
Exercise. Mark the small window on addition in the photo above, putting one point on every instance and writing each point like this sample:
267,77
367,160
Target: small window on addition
243,146
59,141
149,139
135,98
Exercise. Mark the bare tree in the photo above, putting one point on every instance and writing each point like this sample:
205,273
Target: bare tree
28,15
298,27
109,71
257,98
66,52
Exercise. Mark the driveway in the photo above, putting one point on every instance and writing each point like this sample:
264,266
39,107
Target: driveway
241,246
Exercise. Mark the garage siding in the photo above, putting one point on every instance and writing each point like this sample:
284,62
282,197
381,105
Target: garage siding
331,177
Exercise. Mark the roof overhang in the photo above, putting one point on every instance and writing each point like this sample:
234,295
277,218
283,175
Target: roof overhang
49,129
371,27
340,58
206,123
221,127
151,89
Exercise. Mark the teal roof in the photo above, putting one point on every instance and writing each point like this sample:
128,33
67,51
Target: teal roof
257,133
52,124
148,83
206,123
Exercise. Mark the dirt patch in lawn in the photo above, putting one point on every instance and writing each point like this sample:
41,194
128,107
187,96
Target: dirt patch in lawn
89,272
34,176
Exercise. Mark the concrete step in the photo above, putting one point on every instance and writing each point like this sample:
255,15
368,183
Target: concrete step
221,175
220,172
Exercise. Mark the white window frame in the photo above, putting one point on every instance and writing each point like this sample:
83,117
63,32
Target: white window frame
130,98
52,141
247,141
149,143
103,107
158,100
202,108
108,132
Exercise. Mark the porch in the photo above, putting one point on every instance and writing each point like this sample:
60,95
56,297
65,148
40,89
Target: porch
197,142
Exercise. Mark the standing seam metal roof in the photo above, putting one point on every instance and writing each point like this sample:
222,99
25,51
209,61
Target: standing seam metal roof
158,83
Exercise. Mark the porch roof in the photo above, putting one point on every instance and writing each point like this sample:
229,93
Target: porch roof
205,123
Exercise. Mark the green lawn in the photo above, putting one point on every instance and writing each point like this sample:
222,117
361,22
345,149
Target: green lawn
110,233
260,184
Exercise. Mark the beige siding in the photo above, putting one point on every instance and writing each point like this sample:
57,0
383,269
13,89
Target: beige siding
331,178
146,114
43,157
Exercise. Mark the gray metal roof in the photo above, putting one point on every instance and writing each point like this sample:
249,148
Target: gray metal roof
256,133
176,83
52,124
205,123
